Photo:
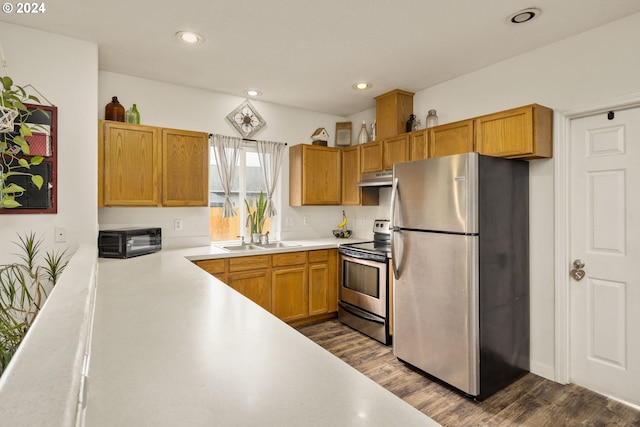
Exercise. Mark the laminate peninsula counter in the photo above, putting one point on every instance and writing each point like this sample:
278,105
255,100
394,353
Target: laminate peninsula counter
173,346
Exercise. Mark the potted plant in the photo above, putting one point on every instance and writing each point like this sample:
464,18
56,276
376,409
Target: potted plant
15,128
256,218
23,290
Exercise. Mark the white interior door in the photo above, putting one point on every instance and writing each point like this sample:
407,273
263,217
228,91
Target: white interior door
605,234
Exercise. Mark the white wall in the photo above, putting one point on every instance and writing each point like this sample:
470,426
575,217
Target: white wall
599,64
64,70
168,105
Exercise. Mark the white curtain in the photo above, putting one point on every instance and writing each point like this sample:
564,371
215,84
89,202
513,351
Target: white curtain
270,155
226,150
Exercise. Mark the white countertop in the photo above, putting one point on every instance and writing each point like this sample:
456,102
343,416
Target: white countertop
173,346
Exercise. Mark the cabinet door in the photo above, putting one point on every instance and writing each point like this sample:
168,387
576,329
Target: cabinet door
185,168
371,157
395,150
290,293
321,176
323,281
131,155
452,138
350,176
418,145
255,285
524,132
318,288
215,267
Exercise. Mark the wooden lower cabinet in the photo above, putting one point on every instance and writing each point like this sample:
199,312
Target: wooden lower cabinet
323,289
215,267
290,290
255,285
297,287
290,293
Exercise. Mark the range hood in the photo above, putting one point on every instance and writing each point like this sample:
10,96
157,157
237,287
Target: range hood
376,179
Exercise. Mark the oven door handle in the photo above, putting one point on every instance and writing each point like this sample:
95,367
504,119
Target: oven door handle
393,229
360,313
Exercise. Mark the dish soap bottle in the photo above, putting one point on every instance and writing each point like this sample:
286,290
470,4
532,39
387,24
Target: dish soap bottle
132,115
114,110
364,135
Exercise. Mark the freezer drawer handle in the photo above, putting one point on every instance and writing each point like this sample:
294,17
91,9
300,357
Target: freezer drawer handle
359,313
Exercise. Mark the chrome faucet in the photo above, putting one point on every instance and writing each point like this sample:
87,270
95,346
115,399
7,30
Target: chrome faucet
250,225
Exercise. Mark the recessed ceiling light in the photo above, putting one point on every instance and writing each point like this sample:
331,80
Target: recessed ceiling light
524,15
189,37
252,92
362,86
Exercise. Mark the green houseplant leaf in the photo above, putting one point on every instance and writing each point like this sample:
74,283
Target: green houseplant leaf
15,151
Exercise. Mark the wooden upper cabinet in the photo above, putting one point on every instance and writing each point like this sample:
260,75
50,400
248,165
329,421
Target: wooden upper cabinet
395,150
185,168
350,192
452,138
418,145
150,166
524,132
371,157
314,175
129,170
392,112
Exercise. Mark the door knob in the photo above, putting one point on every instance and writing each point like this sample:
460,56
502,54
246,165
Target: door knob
577,271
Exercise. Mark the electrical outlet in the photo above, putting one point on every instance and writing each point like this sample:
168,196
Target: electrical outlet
177,224
361,220
60,234
306,220
288,221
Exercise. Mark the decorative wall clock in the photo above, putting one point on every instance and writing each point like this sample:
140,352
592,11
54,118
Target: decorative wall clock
246,119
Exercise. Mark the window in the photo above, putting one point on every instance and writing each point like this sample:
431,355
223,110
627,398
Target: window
247,185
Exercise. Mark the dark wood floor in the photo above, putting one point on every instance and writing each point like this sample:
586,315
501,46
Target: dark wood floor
530,401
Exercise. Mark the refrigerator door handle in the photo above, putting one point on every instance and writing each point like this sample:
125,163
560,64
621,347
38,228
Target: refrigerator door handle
394,229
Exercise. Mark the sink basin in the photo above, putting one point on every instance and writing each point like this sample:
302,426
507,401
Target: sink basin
278,245
235,248
252,247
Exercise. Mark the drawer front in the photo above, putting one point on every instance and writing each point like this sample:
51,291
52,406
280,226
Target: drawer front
248,263
319,256
290,258
212,266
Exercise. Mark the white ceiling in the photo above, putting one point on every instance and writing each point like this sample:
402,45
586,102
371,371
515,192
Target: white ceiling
307,54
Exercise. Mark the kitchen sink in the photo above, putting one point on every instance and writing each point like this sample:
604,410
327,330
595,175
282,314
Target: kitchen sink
254,247
235,248
278,245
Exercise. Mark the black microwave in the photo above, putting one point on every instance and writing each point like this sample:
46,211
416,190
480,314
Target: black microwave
129,242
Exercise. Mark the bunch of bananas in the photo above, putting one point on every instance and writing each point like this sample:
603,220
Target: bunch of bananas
343,224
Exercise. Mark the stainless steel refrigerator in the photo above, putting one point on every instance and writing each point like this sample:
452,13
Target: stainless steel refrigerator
460,252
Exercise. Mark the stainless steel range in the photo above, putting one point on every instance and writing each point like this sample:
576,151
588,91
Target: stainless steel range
364,284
